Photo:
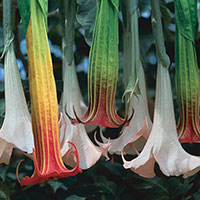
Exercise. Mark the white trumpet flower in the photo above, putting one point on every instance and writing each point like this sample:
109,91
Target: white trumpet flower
16,128
162,145
89,154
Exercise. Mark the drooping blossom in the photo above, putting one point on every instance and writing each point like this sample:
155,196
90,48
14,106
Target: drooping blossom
16,130
162,145
44,107
103,69
89,154
187,77
140,125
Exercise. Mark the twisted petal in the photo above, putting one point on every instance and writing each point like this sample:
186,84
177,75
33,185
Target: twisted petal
162,145
16,127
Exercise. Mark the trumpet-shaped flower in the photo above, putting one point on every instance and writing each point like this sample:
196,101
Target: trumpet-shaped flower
162,145
187,78
16,130
103,69
140,124
71,96
44,107
89,154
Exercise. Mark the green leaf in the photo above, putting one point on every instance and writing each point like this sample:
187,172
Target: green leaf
55,185
4,191
24,9
86,14
196,195
105,185
75,197
177,188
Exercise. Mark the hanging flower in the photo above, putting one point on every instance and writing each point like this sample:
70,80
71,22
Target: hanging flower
140,125
103,69
162,145
89,154
16,130
135,94
187,77
71,97
44,107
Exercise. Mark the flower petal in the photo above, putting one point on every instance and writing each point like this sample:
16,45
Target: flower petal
16,128
162,145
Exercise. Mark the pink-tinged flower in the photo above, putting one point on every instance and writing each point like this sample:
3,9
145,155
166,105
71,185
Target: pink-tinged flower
187,76
89,154
162,145
103,69
44,106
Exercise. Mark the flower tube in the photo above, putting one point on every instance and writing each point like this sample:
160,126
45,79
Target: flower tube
44,107
16,130
162,145
135,94
187,77
103,69
89,154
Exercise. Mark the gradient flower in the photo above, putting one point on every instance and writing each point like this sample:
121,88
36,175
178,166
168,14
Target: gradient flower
44,107
162,145
140,125
135,93
16,130
103,69
187,77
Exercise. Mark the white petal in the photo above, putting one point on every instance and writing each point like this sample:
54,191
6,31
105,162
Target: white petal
140,124
162,145
16,127
89,154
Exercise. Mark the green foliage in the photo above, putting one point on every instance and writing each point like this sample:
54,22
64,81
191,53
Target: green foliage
24,8
86,14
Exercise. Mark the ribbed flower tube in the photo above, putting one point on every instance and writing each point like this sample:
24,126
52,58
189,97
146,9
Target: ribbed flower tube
103,69
187,78
44,107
